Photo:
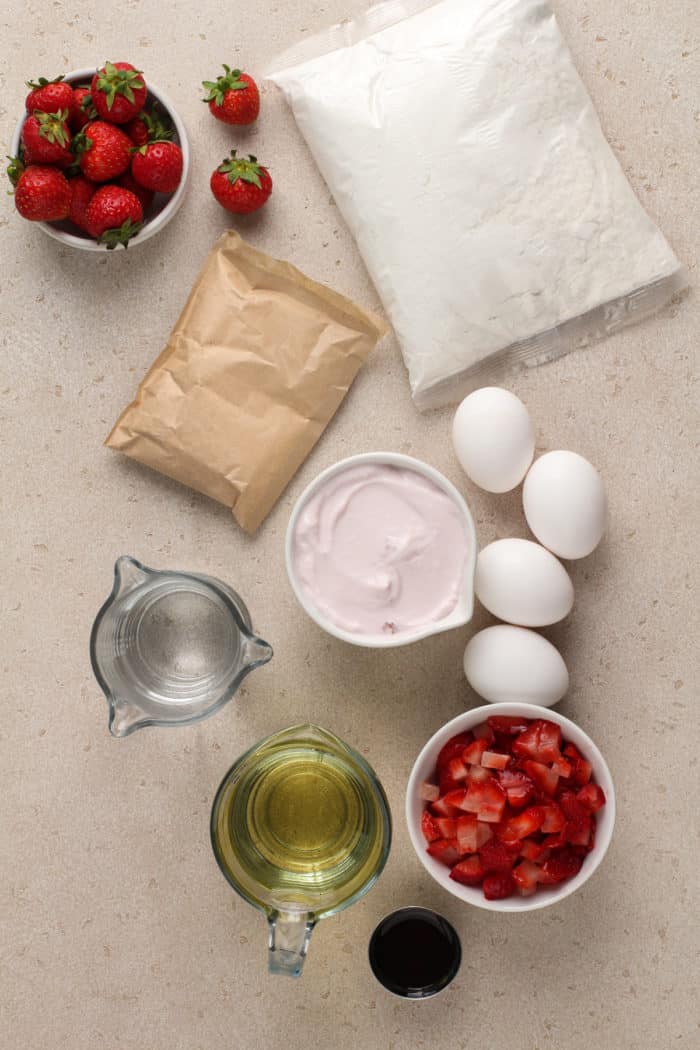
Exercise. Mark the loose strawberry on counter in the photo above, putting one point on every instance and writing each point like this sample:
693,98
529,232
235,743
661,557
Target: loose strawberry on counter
241,186
49,96
512,808
233,98
118,92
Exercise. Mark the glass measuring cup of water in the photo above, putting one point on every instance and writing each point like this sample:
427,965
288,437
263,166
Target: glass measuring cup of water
301,828
169,648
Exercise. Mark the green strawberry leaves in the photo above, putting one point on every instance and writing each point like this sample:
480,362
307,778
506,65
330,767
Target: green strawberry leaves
112,82
231,81
15,169
120,235
53,127
81,143
246,170
42,82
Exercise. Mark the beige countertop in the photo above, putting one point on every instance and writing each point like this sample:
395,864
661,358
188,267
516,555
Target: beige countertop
116,928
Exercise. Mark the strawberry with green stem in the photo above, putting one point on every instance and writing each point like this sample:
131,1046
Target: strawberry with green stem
103,151
148,127
82,110
118,92
241,186
233,98
114,216
158,166
48,96
46,138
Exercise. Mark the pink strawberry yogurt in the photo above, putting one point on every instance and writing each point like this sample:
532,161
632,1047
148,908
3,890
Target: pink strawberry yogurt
381,549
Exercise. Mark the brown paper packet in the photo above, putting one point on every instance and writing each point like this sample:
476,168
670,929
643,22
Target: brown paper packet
256,366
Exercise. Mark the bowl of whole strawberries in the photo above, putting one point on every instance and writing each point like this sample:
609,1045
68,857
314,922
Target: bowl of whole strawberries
510,807
100,158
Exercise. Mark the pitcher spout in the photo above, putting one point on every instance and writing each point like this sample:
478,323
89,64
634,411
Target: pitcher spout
128,575
256,652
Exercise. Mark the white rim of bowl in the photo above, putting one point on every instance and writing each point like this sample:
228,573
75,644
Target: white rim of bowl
154,225
392,641
423,769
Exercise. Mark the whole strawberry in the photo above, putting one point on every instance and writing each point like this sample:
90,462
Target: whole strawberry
148,127
82,191
49,96
158,166
82,110
114,216
118,92
42,194
128,181
241,186
46,138
104,151
233,98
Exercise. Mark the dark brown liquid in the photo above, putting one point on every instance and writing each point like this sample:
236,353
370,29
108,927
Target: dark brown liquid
414,953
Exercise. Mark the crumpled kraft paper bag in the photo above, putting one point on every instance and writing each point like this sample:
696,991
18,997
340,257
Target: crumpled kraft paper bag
256,366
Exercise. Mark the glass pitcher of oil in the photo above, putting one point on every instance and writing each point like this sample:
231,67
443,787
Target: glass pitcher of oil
301,828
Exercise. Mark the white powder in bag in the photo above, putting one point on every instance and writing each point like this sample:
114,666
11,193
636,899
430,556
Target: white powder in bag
467,159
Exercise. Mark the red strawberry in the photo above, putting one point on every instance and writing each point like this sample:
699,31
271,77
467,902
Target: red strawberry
114,216
592,797
497,856
429,827
494,760
541,741
453,749
544,778
42,194
508,725
472,754
118,92
445,807
429,792
487,799
496,887
582,770
526,876
469,872
445,850
456,770
46,138
484,732
517,786
478,773
554,819
49,96
532,850
241,186
82,192
82,110
104,151
128,181
158,166
560,867
147,127
233,98
447,827
466,833
526,823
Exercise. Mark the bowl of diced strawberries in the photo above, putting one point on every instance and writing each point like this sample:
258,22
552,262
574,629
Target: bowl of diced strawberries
100,158
510,807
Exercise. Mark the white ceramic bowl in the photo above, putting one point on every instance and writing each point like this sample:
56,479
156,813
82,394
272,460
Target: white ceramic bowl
164,207
458,617
424,769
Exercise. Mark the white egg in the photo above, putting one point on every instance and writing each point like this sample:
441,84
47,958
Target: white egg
512,663
565,503
521,582
494,438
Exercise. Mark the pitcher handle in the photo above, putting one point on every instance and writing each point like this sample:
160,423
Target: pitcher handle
290,934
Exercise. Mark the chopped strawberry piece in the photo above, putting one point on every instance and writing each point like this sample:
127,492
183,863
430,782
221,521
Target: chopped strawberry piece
532,850
540,741
571,751
555,841
466,833
526,823
487,799
478,774
483,732
492,760
456,769
445,850
446,783
543,777
509,725
429,792
429,827
562,768
452,749
526,876
554,819
453,802
483,833
469,871
497,856
592,797
443,808
561,866
472,754
571,807
583,771
498,886
517,786
578,831
447,827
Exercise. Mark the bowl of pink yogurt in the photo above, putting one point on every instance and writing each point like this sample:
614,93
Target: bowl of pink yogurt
381,551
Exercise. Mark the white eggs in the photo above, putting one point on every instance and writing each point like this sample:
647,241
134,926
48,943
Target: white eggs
512,663
494,438
565,503
522,583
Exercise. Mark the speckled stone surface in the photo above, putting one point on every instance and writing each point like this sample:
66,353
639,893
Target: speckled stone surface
116,928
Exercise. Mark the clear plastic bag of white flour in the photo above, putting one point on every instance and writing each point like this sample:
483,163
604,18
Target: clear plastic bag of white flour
467,159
